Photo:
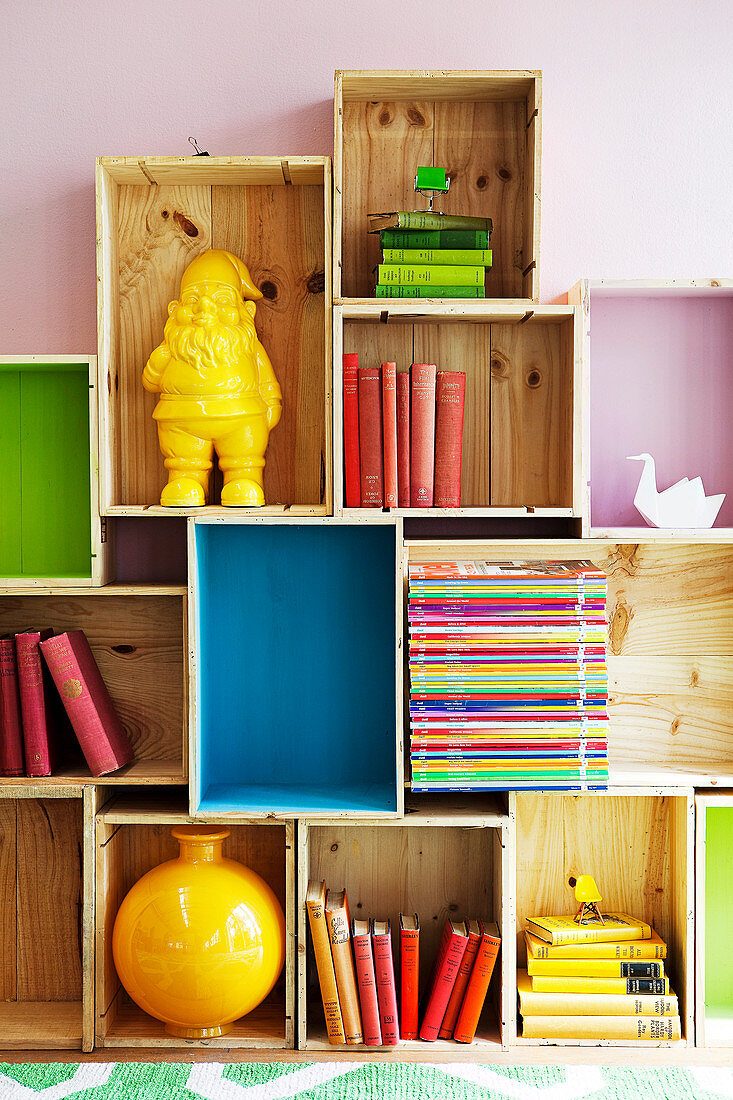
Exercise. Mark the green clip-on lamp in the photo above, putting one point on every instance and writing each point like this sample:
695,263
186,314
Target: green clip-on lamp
431,182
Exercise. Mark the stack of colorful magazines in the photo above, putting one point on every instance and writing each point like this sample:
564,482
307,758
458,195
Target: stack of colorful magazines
508,682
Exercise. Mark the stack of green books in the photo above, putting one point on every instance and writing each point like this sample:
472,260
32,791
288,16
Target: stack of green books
431,255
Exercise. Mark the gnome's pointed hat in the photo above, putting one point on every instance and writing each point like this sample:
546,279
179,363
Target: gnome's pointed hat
217,266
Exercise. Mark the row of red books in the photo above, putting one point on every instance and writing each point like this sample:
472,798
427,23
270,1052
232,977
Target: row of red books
403,435
356,972
39,670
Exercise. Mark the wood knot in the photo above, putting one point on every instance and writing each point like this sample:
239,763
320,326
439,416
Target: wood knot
123,648
269,290
316,282
619,624
164,214
533,379
694,678
498,367
185,224
504,174
334,847
674,728
482,182
384,117
453,907
571,882
415,117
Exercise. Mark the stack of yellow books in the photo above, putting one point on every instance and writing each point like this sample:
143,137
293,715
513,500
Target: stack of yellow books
594,981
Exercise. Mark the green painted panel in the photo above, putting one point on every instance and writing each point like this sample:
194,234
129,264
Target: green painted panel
10,554
718,906
55,510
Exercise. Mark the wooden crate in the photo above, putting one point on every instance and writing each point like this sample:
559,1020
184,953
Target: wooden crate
46,909
137,636
638,845
713,878
482,126
435,863
133,835
670,650
522,420
295,682
658,347
154,215
51,532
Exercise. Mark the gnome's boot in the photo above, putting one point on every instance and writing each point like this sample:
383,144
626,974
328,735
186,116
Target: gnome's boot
242,460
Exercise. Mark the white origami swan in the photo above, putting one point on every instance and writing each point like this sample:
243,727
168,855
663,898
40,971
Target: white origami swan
682,505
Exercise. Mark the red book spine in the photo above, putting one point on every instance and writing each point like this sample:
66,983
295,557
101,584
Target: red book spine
445,977
389,431
351,431
403,440
35,704
12,760
464,973
386,993
370,438
410,967
422,448
367,983
450,396
92,714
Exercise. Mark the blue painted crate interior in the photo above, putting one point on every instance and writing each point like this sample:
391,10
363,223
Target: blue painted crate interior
296,706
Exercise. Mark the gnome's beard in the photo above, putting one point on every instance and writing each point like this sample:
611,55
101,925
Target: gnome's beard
207,348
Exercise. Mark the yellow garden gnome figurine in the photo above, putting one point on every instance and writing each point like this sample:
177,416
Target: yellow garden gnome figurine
218,391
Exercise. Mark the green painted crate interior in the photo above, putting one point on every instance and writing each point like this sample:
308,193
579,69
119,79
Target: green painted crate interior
718,878
45,516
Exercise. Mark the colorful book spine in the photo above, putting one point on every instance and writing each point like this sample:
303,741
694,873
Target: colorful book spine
565,1002
403,439
366,981
464,973
563,929
352,476
316,906
12,756
434,238
389,433
386,993
450,395
92,713
34,682
654,1028
653,948
478,984
410,973
339,931
565,983
422,446
417,274
370,438
439,257
597,968
428,290
450,956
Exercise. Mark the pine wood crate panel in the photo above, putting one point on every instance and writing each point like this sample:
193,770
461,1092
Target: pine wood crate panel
50,528
483,127
126,850
137,638
521,434
154,215
43,921
436,866
639,849
670,649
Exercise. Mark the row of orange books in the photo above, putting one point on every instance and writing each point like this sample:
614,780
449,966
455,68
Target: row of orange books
596,980
356,972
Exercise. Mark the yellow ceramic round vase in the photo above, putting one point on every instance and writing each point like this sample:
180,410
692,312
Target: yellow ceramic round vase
200,940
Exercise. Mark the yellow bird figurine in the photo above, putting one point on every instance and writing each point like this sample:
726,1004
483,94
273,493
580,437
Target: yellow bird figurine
588,896
218,391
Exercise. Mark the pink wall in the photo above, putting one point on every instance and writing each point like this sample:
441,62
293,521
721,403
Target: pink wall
638,132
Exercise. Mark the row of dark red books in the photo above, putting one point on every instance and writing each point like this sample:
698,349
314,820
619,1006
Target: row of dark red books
356,972
39,671
403,435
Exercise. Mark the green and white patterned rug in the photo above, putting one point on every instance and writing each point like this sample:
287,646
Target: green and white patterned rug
357,1081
